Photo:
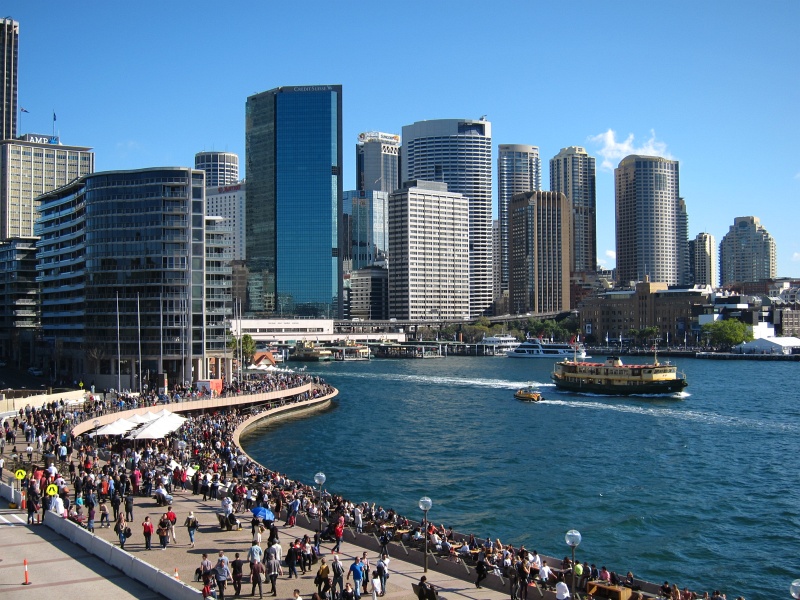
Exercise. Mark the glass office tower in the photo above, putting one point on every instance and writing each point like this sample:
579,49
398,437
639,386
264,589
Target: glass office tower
9,44
294,201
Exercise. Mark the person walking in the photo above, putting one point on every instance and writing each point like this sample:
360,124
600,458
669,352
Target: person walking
119,529
223,576
357,571
255,554
191,525
129,507
274,570
292,558
321,578
237,572
338,531
173,519
482,572
338,576
147,530
383,572
257,573
163,531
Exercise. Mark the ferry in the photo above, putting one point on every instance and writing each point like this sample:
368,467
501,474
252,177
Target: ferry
528,394
500,344
617,379
540,349
307,351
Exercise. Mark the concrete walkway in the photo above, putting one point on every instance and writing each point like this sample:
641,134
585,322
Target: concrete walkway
210,539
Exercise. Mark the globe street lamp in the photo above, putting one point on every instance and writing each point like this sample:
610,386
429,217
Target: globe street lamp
241,461
425,504
573,538
319,479
794,589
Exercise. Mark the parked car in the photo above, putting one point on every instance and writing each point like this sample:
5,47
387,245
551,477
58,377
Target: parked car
35,371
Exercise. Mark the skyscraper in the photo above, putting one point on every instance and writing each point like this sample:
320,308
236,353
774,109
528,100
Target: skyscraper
378,162
747,253
31,166
519,170
458,152
9,43
540,252
572,172
704,263
229,202
429,253
367,214
294,200
221,168
651,221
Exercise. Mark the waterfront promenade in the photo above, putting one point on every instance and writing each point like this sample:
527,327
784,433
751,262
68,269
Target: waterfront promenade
42,546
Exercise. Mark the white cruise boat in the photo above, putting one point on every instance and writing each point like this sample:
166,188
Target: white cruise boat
502,344
540,349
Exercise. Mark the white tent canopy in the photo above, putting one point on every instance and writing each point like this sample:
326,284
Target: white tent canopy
143,418
118,427
160,427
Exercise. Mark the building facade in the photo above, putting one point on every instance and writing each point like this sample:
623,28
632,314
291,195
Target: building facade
294,201
616,315
228,202
429,249
704,260
572,172
747,253
651,221
221,168
19,301
519,170
458,152
540,253
31,166
378,162
369,294
9,46
367,218
122,269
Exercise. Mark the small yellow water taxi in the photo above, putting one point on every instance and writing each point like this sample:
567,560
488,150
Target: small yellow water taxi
528,394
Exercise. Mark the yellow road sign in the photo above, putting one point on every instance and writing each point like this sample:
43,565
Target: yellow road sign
20,474
52,489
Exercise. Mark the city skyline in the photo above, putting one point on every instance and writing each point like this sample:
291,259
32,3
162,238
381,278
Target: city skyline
716,94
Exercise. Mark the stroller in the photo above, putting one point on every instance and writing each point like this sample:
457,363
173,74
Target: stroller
329,535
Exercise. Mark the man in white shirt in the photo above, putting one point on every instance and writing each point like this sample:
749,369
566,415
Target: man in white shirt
544,573
562,591
536,561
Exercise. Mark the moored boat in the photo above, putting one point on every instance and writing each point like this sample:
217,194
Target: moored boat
617,379
500,344
308,351
539,349
528,394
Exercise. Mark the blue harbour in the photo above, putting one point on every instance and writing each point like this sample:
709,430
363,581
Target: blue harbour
696,489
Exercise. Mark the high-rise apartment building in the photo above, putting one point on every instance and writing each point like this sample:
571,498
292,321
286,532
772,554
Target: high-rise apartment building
31,166
704,260
378,162
458,152
367,215
540,252
651,221
519,170
221,168
123,277
294,201
572,172
429,253
9,44
228,202
747,253
19,300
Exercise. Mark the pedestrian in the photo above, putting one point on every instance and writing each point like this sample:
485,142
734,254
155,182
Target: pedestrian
147,530
104,520
338,575
129,507
90,517
257,573
357,571
163,531
383,571
173,519
482,571
119,529
255,554
292,557
191,525
223,576
321,579
274,569
366,569
377,590
237,573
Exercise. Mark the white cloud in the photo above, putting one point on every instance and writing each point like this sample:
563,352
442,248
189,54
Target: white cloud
612,150
610,257
796,257
612,254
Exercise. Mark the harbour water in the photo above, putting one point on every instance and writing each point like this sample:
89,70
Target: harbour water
700,490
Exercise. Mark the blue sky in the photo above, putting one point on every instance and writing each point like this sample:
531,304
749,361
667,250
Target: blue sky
713,84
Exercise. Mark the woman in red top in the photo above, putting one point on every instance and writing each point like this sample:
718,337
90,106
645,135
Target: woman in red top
147,529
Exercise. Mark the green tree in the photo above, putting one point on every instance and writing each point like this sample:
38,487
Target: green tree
726,333
248,348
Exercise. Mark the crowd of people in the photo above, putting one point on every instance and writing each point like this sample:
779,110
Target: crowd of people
202,457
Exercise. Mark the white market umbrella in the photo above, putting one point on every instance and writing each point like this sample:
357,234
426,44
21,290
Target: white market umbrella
118,427
159,428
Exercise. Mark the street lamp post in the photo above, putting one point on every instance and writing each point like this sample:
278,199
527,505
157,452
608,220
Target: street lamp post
319,479
573,538
241,461
96,424
794,589
425,504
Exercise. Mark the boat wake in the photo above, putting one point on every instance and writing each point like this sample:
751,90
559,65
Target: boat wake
662,410
449,381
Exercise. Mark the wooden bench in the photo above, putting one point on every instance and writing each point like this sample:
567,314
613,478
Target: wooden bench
431,594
